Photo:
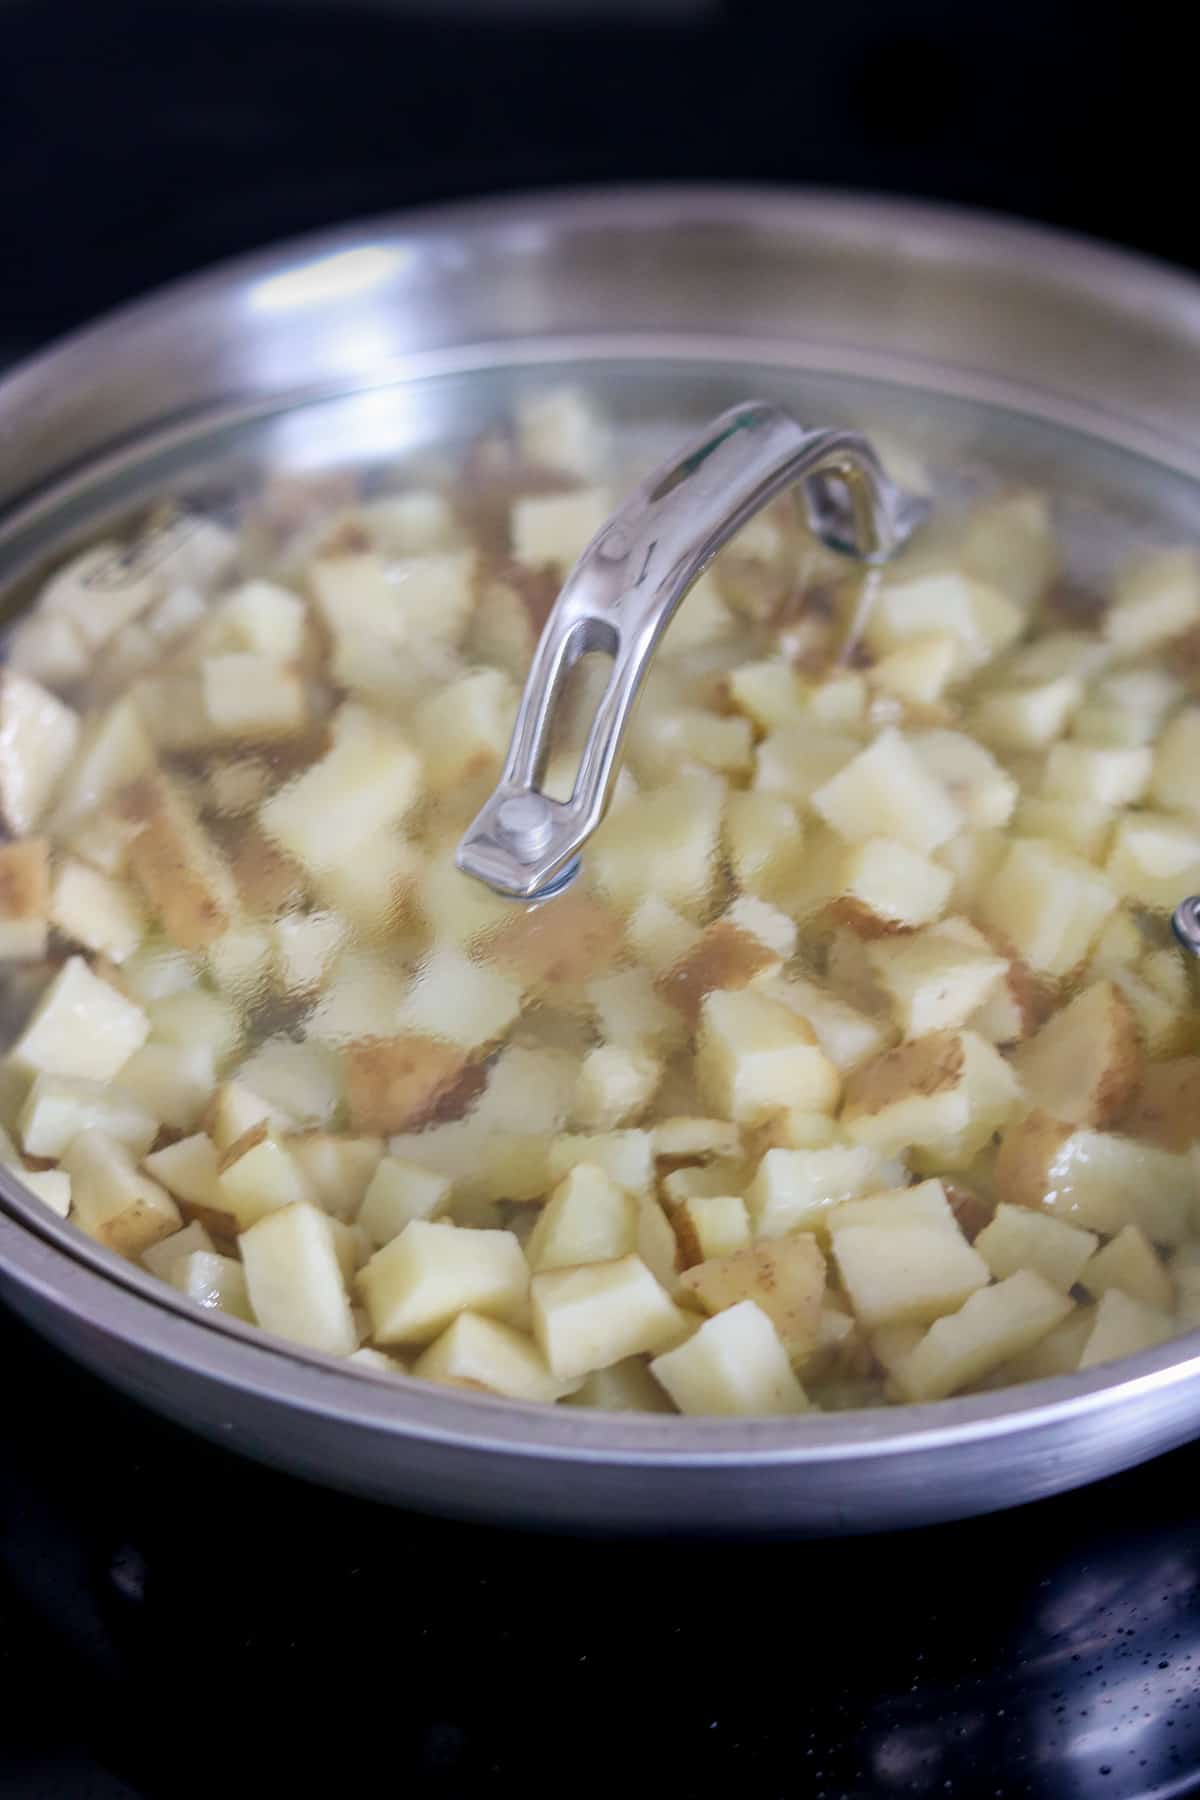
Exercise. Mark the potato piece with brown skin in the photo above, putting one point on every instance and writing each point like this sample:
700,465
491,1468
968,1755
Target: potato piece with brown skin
785,1276
1083,1064
24,899
1027,1150
563,945
722,957
268,881
1165,1107
179,868
399,1083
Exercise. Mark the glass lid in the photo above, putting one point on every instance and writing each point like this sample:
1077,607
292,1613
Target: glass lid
859,1064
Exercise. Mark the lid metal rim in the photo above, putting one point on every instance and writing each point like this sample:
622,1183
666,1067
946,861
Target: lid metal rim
49,1259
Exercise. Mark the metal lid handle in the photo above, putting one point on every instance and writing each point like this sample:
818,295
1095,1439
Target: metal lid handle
621,596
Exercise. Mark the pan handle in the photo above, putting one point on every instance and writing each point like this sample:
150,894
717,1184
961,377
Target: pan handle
621,596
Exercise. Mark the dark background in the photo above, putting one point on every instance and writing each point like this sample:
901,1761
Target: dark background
174,1623
141,140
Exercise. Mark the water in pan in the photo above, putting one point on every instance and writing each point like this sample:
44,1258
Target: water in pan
879,909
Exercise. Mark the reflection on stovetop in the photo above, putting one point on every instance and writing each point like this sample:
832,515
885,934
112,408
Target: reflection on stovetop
174,1621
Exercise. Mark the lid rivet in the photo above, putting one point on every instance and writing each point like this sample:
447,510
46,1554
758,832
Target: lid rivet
526,824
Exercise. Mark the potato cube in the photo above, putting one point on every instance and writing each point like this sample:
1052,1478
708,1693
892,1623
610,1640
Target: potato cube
373,891
256,1176
188,1169
786,1278
294,1280
623,1387
764,841
770,693
1010,543
983,792
397,1083
241,963
235,1108
1156,598
972,859
735,1365
1084,1063
48,649
353,593
793,1190
690,1138
794,1129
626,1157
1098,1179
338,1169
1098,774
81,1026
1017,1238
918,671
59,1107
1154,859
193,1018
335,811
252,697
1176,759
455,907
615,1086
632,1014
755,1057
886,790
662,843
1028,718
111,1200
993,1325
262,617
725,955
1057,1353
24,900
182,873
51,1186
399,1192
707,1226
846,1035
1048,904
459,1000
480,1353
562,945
978,616
463,728
885,886
161,1257
102,914
527,1090
172,1081
599,1313
38,735
217,1283
946,1094
417,1284
1166,1107
934,980
908,1272
1122,1327
1130,1262
1077,825
557,528
588,1218
558,429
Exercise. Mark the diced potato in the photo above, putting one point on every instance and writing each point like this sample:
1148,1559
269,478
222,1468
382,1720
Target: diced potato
1127,707
262,617
1083,1065
353,593
1010,542
399,1192
1122,1327
361,999
615,1086
734,1365
689,1139
886,790
920,670
764,841
755,1056
1028,718
795,761
81,1026
335,811
993,1325
972,859
982,791
978,616
795,1129
846,1035
183,875
188,1169
372,892
59,1107
397,1083
626,1157
527,1090
1157,597
662,843
193,1018
563,945
38,735
585,1318
252,697
1130,1262
235,1108
48,648
24,900
459,1000
463,728
770,693
1048,904
111,1200
1098,774
161,1257
587,1219
217,1283
1097,1179
241,963
92,909
257,1175
708,1226
294,1279
1166,1107
557,528
904,1269
1057,1353
338,1169
633,1015
786,1278
1165,1025
1154,859
946,1093
1081,826
934,980
455,907
623,1387
419,1282
886,886
793,1190
1176,759
658,935
1017,1238
480,1353
558,428
724,956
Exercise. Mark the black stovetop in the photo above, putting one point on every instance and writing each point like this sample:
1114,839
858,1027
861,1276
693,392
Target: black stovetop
174,1622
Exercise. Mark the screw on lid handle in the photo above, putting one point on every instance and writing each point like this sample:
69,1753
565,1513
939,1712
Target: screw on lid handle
622,593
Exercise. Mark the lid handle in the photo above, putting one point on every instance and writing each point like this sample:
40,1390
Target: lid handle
622,593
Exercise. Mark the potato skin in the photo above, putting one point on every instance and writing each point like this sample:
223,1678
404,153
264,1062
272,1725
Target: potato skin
397,1084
